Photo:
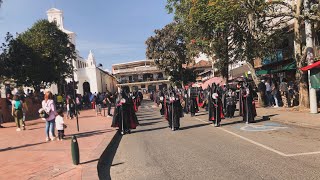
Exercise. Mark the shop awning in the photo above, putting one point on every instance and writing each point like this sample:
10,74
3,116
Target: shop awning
288,67
314,65
262,72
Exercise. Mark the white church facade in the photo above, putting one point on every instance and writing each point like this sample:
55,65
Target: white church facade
89,75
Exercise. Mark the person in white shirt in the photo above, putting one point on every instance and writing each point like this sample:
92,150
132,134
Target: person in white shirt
268,93
60,124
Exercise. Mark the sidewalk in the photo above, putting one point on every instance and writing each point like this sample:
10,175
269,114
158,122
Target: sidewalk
290,116
26,155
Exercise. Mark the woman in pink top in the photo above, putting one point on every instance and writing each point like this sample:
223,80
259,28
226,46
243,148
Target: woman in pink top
50,108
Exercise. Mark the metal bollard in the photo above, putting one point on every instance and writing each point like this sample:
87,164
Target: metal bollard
75,151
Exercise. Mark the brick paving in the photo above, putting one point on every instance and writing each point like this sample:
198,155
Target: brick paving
26,154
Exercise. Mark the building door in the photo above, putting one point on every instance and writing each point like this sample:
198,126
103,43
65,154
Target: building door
86,87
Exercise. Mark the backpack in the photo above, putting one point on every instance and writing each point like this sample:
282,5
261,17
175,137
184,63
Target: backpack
17,105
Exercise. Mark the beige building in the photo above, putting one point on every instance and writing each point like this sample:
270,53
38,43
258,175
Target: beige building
140,75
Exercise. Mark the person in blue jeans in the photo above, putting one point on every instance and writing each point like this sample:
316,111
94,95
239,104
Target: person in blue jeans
50,108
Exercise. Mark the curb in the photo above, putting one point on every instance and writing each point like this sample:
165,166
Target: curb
105,160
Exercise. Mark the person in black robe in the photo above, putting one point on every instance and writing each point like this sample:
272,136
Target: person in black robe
216,106
173,110
162,101
231,103
249,110
124,116
239,86
193,101
186,99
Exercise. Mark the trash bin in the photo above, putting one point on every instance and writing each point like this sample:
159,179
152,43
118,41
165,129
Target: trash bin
75,151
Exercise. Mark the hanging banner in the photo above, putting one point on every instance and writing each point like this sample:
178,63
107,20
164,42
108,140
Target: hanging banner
315,78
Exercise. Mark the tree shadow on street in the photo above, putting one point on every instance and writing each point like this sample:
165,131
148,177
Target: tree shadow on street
105,160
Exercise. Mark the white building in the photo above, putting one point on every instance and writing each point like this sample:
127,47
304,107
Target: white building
89,76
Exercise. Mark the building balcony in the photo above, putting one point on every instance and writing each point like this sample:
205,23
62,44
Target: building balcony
136,70
141,80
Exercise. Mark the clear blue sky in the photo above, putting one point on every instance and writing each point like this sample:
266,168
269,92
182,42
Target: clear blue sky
115,30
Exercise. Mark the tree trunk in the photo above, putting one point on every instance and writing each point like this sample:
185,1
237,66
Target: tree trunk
300,77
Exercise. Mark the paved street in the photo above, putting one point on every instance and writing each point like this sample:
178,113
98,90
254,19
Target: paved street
267,149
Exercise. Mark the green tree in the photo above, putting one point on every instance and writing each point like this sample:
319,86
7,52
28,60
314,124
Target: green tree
40,56
168,50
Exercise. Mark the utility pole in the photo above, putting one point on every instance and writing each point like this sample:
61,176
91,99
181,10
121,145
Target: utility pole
310,57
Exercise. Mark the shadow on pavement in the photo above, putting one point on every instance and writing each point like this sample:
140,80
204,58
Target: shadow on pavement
90,133
150,119
116,164
105,160
146,130
149,123
94,160
18,147
86,116
264,118
201,114
194,126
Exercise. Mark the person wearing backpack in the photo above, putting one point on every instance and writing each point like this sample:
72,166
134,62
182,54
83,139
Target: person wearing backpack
17,112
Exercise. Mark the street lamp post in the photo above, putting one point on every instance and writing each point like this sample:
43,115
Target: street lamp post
74,94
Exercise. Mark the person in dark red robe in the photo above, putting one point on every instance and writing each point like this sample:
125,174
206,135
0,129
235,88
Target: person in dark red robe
124,116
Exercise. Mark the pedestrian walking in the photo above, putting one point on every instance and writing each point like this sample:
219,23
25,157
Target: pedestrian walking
262,90
60,126
17,112
107,101
274,92
268,93
25,110
72,108
284,92
50,109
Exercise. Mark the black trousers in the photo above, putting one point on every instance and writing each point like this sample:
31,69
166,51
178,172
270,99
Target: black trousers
60,134
109,108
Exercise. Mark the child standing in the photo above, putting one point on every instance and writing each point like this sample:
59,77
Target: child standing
60,124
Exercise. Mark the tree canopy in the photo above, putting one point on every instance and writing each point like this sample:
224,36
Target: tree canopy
168,50
42,55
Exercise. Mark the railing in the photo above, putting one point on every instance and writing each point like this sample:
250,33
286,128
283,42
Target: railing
141,80
153,68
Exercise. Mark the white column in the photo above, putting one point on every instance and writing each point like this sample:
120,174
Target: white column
310,58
